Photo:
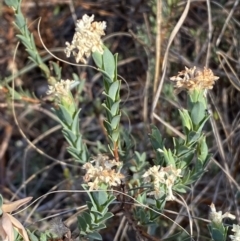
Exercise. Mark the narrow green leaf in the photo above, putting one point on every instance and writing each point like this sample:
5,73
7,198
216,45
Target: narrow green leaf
197,113
115,121
108,63
203,149
12,3
217,235
102,197
14,94
24,41
94,235
115,135
80,156
78,143
97,58
193,137
113,90
116,62
82,224
107,125
86,216
43,237
106,205
64,115
57,70
69,136
75,123
20,22
32,236
202,123
169,157
106,217
156,138
95,205
186,120
108,111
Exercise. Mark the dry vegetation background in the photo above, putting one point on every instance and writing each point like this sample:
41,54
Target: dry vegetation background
209,36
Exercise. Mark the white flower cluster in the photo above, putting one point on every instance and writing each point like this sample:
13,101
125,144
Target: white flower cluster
86,39
162,175
102,172
236,230
217,217
61,88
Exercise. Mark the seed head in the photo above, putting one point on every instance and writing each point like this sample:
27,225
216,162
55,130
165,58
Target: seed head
190,79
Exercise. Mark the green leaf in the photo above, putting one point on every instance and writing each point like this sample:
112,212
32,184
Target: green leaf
108,113
20,23
32,236
113,90
217,235
197,113
75,123
186,120
202,123
94,235
24,41
115,135
79,144
203,149
106,77
82,225
107,125
193,137
101,197
57,70
106,217
169,157
182,151
180,188
91,196
197,96
115,108
69,136
97,58
160,203
87,218
14,94
80,155
106,205
63,115
156,138
108,63
116,63
43,237
13,3
115,122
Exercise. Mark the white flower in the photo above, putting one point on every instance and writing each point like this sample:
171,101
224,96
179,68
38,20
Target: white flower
217,217
61,88
103,171
236,230
87,39
162,177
